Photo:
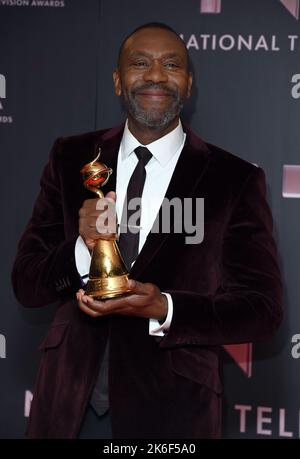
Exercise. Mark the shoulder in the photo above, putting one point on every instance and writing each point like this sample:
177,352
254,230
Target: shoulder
85,141
224,167
236,173
230,161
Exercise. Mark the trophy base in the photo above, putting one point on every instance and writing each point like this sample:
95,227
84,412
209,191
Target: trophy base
105,288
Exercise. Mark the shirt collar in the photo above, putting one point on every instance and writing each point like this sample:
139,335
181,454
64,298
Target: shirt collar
162,149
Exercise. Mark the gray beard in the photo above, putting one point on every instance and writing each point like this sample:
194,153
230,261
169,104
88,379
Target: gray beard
153,118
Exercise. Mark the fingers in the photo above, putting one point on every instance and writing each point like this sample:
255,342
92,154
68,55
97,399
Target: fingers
82,305
100,308
145,300
92,207
111,195
91,307
97,218
106,222
140,288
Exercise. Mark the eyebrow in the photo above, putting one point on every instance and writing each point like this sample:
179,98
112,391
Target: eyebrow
145,54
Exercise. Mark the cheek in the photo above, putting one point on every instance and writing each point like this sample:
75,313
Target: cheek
123,82
182,80
184,88
123,87
132,80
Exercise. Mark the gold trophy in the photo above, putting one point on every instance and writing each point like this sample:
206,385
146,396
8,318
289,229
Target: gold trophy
108,275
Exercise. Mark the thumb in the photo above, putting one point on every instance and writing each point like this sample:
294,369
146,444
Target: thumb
136,287
111,195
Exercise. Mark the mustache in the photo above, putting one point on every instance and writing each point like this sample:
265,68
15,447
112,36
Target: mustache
157,87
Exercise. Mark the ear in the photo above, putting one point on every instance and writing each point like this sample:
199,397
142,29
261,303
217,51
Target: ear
117,82
189,85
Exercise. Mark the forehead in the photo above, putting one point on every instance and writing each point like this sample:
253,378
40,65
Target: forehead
154,41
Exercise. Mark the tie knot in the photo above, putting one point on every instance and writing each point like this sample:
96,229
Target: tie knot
143,154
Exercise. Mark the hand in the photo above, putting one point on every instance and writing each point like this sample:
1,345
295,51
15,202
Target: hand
145,300
97,219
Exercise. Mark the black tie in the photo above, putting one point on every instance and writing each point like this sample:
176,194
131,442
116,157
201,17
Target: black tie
129,240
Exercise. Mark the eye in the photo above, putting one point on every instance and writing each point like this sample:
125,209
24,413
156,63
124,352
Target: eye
171,65
140,64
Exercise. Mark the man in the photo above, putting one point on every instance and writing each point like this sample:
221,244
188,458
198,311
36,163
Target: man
161,342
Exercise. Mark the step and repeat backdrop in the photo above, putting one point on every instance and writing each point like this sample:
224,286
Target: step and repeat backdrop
56,62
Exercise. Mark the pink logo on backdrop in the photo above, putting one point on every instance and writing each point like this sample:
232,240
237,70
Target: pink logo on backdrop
292,6
27,403
291,181
210,6
214,6
242,355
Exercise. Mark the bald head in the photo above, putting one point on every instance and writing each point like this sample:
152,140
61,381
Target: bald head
153,26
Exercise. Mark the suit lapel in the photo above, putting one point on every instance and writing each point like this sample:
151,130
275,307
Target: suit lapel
188,172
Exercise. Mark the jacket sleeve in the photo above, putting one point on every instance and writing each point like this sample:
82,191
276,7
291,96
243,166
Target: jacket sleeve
44,270
248,303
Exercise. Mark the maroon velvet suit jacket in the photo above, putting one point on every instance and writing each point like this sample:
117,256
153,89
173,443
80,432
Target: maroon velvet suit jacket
225,290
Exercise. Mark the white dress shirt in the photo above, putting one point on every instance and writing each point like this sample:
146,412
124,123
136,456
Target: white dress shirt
159,169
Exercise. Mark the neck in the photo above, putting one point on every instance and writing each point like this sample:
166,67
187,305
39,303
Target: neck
145,134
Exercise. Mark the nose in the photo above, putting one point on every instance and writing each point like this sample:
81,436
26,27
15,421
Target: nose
156,73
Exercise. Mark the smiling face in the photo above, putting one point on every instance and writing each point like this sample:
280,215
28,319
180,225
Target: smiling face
153,78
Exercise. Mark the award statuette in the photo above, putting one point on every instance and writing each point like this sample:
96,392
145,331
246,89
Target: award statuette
108,275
